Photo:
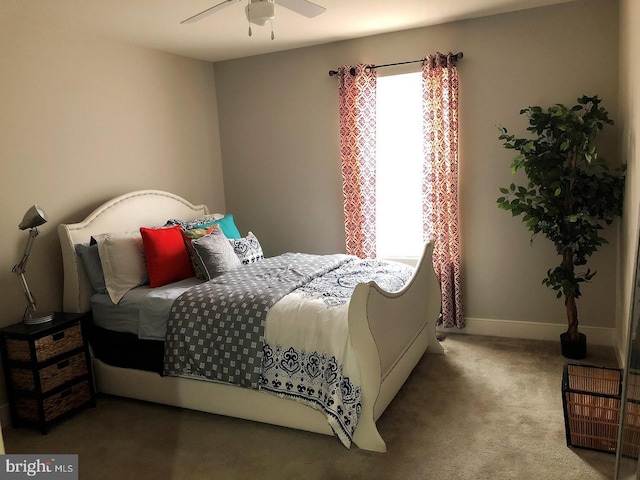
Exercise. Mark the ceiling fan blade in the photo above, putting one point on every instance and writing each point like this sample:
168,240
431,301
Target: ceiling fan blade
303,7
209,11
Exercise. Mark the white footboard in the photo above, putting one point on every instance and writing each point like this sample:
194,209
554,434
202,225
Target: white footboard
390,332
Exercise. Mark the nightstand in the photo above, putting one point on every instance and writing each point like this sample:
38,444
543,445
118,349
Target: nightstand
47,369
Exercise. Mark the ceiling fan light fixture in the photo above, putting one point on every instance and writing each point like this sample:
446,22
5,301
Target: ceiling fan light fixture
260,12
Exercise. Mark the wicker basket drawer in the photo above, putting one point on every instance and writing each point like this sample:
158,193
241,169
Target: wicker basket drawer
55,405
592,406
46,347
51,376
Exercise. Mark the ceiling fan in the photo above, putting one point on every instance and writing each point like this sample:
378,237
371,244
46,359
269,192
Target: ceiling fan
259,12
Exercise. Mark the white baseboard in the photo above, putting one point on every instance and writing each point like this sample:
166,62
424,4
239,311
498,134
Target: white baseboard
531,330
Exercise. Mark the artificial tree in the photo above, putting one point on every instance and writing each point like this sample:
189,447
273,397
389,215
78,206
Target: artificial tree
570,195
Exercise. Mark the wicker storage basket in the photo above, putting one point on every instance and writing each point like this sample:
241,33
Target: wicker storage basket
51,376
55,405
46,347
591,401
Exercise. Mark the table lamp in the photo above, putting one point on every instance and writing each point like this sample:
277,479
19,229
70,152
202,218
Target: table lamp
31,220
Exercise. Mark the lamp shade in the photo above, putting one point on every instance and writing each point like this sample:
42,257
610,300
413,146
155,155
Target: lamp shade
34,217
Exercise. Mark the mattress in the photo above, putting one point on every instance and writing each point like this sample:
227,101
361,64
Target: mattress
141,312
131,333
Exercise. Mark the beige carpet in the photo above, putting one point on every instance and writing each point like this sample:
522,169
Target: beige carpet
490,408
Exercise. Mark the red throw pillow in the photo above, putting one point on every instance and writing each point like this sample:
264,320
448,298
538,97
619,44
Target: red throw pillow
166,254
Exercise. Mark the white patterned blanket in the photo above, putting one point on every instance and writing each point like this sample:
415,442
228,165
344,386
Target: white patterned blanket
308,355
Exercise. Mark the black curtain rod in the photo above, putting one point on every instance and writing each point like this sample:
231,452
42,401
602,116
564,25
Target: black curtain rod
332,73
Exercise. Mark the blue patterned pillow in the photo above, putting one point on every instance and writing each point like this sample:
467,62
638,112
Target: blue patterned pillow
226,223
248,248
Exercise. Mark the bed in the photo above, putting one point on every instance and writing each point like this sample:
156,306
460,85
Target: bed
387,332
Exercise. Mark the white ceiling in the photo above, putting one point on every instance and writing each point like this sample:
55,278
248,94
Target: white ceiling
223,35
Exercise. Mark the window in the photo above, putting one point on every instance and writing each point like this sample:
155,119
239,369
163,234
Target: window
399,166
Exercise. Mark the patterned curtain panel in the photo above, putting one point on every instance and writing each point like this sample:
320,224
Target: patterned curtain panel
358,152
440,187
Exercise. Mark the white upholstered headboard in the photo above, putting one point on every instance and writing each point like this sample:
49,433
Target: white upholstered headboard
126,213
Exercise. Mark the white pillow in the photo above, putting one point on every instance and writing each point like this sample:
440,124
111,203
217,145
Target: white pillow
123,263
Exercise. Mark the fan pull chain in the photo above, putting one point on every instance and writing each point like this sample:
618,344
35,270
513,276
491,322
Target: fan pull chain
273,37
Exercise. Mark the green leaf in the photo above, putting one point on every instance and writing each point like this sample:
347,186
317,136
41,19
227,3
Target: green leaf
532,223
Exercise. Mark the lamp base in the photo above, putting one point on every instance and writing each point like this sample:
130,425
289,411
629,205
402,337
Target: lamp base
33,319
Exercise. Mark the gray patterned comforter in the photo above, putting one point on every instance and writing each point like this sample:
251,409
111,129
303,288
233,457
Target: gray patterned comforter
216,329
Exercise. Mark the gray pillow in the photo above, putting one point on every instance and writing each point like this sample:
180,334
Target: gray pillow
91,261
214,254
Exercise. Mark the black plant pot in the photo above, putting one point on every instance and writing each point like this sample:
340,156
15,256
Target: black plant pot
575,350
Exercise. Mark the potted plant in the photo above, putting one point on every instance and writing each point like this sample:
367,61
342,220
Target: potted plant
570,195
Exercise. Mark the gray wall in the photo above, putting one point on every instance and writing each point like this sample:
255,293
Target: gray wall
84,120
278,117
